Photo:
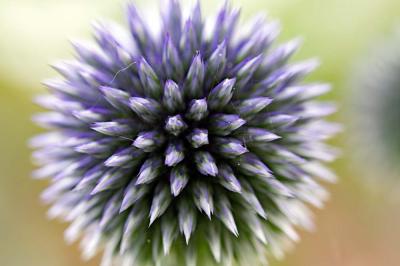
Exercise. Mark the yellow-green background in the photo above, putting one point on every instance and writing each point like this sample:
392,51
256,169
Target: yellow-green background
360,225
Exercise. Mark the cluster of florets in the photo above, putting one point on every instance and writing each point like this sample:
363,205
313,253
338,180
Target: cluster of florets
164,144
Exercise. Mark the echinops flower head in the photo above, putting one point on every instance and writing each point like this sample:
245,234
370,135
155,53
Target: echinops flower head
376,110
191,143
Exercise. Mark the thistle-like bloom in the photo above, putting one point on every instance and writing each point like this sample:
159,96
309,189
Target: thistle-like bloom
376,109
191,145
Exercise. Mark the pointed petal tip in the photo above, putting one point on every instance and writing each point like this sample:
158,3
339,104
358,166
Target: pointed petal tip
153,217
140,181
125,205
187,231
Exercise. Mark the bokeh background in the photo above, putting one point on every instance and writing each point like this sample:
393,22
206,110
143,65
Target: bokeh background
360,224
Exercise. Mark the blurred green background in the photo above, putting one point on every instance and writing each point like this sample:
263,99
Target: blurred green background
360,224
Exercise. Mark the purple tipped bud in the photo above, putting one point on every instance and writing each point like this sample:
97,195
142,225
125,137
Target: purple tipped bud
283,152
139,31
92,115
228,178
147,109
187,218
198,137
173,99
126,158
246,71
251,165
252,134
161,200
90,177
255,224
171,62
281,54
95,147
169,231
217,62
149,80
250,196
113,128
273,120
150,170
175,125
214,241
194,80
111,180
205,163
65,87
317,110
279,188
132,194
304,92
225,25
179,178
117,98
288,75
229,147
134,220
90,53
197,110
190,40
174,153
172,19
149,141
224,213
253,106
56,104
111,209
203,198
221,95
224,124
53,120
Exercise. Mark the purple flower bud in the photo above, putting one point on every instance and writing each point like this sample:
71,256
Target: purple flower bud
175,125
171,60
149,171
147,109
111,180
229,147
198,137
228,178
205,163
173,99
203,198
117,98
253,106
221,95
197,110
126,158
132,194
224,213
194,81
179,179
149,80
224,124
161,201
174,153
187,218
149,141
114,128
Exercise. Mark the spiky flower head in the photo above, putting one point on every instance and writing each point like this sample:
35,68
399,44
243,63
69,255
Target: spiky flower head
192,145
376,108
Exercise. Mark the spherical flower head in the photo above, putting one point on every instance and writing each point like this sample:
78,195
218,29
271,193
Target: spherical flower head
192,145
376,108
